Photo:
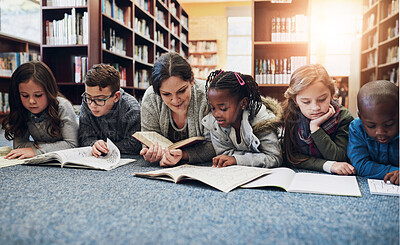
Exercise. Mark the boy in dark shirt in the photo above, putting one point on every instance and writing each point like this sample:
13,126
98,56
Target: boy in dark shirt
108,112
374,137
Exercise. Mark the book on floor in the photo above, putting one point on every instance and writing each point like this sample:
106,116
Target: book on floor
4,150
315,183
224,179
150,138
379,187
81,157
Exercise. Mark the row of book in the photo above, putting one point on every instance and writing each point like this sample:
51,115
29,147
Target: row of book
141,79
185,21
112,42
201,73
144,4
372,59
142,27
9,61
392,54
80,68
172,8
394,30
142,53
184,37
277,71
393,7
121,14
289,29
174,28
160,16
203,60
64,3
122,73
4,105
72,29
392,75
371,21
159,38
203,46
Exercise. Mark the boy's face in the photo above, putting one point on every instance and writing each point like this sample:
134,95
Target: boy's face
97,97
225,108
381,121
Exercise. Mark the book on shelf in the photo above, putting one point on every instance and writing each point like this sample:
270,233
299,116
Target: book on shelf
71,30
112,42
142,79
120,14
80,68
142,27
150,138
66,3
80,157
9,61
224,179
144,4
379,187
289,29
290,181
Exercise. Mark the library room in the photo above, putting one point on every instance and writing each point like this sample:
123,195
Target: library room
199,122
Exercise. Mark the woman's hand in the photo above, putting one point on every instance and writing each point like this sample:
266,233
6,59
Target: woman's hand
153,154
99,148
20,153
316,123
343,168
223,161
393,177
171,158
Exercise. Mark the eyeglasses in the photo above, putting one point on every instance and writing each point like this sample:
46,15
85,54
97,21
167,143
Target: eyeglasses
99,102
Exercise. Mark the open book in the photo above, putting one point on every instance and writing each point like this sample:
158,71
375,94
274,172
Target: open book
4,150
150,138
291,181
81,158
379,187
223,179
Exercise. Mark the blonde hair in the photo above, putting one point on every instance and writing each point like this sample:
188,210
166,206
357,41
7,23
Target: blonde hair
300,79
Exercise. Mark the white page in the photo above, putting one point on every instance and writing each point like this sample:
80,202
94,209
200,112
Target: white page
325,184
9,162
379,187
224,179
280,177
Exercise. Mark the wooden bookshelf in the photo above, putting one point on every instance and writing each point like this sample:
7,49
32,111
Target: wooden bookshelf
281,47
137,43
380,41
203,57
10,43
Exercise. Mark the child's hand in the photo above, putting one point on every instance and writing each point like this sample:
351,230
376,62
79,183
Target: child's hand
153,154
393,177
343,168
316,123
223,161
20,153
99,148
171,158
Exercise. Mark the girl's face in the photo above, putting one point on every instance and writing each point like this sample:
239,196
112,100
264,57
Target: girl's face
33,96
225,108
314,100
176,94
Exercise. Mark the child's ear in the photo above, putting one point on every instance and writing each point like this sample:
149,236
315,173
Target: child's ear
117,95
244,102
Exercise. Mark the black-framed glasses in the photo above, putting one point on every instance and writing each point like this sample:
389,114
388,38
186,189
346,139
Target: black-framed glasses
99,102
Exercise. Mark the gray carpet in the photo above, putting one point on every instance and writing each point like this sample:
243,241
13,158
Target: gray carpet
50,205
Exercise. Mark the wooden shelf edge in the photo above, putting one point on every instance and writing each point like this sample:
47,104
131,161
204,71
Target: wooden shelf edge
389,17
369,50
370,30
116,54
368,69
371,8
388,64
389,40
63,7
116,22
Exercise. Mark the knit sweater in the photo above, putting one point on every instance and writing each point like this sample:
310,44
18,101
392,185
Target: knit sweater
260,146
332,147
155,115
38,129
118,125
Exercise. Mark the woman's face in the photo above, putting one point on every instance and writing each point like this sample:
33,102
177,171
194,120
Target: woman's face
176,94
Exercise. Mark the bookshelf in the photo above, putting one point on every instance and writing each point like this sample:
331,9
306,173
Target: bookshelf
128,34
203,57
13,51
380,41
280,39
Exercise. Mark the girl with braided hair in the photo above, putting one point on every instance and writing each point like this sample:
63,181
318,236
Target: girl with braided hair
243,125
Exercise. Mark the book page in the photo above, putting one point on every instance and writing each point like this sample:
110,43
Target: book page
379,187
108,162
325,184
280,177
224,179
150,138
9,162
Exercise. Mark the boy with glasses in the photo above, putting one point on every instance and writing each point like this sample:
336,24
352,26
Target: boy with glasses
108,112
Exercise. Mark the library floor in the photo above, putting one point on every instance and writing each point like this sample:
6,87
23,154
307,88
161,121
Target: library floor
52,205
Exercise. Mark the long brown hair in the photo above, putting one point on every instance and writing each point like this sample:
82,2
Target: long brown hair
15,123
300,79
